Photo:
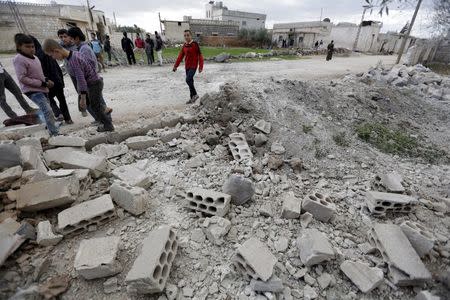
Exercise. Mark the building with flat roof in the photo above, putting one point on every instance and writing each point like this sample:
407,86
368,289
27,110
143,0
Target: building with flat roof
246,20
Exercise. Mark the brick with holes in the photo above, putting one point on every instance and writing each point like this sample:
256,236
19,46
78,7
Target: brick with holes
131,198
254,260
239,147
151,269
76,219
208,202
320,206
380,203
420,237
314,247
292,206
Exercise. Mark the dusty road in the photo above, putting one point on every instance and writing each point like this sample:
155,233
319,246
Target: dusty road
141,90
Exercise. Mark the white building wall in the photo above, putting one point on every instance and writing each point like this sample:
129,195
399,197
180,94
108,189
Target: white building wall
344,36
216,11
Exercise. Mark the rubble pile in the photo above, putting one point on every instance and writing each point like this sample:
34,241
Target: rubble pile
230,200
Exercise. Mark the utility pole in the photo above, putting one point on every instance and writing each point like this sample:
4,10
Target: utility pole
406,36
114,16
366,7
160,24
91,18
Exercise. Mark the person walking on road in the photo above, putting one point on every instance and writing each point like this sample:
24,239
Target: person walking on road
127,47
330,48
158,48
98,49
107,47
149,46
193,59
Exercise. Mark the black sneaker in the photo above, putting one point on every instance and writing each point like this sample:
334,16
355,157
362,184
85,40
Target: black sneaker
105,129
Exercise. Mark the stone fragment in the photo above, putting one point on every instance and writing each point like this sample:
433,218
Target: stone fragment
168,135
314,247
292,206
260,139
53,157
240,188
10,175
30,141
367,248
324,280
305,219
392,182
45,235
216,228
141,142
274,285
110,151
78,218
12,236
170,120
309,293
296,164
239,147
31,159
263,126
282,244
405,266
198,236
9,155
131,198
254,260
420,237
208,202
97,258
363,276
97,165
151,269
320,206
277,148
426,295
380,203
133,176
49,193
266,210
111,285
275,162
66,141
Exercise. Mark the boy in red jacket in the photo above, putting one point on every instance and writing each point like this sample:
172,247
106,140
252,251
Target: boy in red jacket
193,59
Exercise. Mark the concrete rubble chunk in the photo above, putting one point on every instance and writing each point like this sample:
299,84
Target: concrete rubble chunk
380,203
254,260
363,276
151,269
66,141
392,182
314,247
12,236
110,151
426,295
420,237
239,147
133,176
53,157
292,206
48,193
170,120
31,159
405,266
274,285
9,155
97,165
141,142
131,198
263,126
97,258
215,229
305,219
45,235
30,141
77,219
277,148
324,280
168,135
320,206
10,175
208,202
260,139
240,188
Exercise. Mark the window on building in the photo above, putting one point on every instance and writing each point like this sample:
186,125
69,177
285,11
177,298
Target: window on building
179,23
244,23
280,38
257,19
214,33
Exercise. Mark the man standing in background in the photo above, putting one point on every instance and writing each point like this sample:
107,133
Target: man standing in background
140,45
98,48
127,47
158,48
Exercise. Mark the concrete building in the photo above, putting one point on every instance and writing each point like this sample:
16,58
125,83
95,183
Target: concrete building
43,21
246,20
301,34
344,35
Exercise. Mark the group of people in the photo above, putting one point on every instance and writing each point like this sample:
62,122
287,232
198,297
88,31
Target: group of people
147,46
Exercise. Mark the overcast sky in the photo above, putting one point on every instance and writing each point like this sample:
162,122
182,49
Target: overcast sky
144,13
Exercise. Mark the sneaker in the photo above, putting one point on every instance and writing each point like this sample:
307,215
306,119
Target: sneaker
84,113
96,123
69,122
189,101
104,129
195,98
59,118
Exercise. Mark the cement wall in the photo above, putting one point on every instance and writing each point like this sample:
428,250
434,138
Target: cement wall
442,53
174,30
344,36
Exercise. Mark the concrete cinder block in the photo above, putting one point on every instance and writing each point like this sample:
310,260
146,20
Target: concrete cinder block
141,142
314,247
76,219
66,141
380,203
48,193
320,206
133,176
110,151
426,295
391,182
292,206
97,258
405,266
131,198
254,260
363,276
208,202
263,126
420,237
97,165
45,235
151,269
31,159
239,147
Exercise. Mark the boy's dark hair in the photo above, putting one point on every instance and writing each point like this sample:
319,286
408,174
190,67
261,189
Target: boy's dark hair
125,34
106,36
22,39
75,32
188,30
49,45
62,31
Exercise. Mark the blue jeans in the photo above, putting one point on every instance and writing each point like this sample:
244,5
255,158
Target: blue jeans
190,81
41,100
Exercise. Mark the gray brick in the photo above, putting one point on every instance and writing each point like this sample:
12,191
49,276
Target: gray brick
379,203
132,199
320,206
292,206
314,247
239,147
97,165
66,141
420,237
53,157
45,235
132,175
208,202
363,276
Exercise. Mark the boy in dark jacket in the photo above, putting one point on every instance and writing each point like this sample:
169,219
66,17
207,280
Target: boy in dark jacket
127,46
149,46
193,59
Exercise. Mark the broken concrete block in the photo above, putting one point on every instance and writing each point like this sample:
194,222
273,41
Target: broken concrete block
208,202
215,229
31,159
277,148
48,193
168,135
314,247
97,258
110,151
141,142
97,165
254,260
363,276
151,269
274,285
10,175
260,139
170,120
131,175
392,182
381,203
8,227
53,157
320,206
292,206
66,141
131,198
275,162
9,155
426,295
266,210
305,219
30,141
45,235
77,219
12,236
263,126
240,189
239,147
420,237
324,280
405,266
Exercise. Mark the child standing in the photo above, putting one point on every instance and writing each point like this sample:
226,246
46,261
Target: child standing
193,60
32,80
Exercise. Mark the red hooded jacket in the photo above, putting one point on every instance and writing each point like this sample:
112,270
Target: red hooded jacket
193,56
139,43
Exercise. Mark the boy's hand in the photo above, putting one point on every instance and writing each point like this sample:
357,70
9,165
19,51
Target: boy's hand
200,70
83,102
50,84
174,69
